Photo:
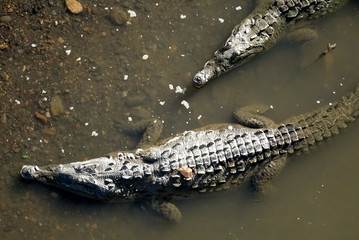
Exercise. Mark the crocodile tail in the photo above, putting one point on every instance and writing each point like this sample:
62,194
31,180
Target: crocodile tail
327,121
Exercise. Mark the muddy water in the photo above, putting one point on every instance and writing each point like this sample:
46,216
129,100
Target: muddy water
316,195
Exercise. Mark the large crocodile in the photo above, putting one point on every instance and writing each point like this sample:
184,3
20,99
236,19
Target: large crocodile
261,30
204,160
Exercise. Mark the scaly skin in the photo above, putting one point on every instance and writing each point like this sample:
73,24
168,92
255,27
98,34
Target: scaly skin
199,161
260,31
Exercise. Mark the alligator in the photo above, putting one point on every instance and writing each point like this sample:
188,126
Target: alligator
261,30
205,160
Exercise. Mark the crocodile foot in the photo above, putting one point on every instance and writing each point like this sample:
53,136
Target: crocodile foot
302,35
150,130
260,181
167,210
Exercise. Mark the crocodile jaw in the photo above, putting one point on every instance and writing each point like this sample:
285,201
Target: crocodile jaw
82,178
65,177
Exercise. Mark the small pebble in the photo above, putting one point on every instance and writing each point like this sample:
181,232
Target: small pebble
54,195
118,16
94,226
41,117
4,46
74,6
3,118
49,131
5,19
56,106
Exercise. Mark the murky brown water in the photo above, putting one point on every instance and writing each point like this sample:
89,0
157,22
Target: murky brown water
316,195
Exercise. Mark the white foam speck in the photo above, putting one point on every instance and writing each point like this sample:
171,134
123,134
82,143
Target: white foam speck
94,134
185,104
221,20
180,90
132,13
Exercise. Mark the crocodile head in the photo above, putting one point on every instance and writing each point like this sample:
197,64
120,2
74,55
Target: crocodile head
119,178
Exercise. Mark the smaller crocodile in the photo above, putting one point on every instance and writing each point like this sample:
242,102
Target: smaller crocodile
206,160
261,30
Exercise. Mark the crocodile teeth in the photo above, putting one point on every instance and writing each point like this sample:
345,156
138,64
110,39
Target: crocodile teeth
108,180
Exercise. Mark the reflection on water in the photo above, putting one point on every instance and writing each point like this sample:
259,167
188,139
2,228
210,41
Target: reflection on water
316,195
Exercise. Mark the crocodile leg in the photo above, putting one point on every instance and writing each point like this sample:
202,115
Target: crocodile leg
152,130
167,210
151,133
251,116
301,35
269,170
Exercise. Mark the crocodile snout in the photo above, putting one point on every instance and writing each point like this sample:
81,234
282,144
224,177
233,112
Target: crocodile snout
29,171
199,80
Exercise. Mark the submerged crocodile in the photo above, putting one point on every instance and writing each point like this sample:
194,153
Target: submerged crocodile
205,160
261,30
